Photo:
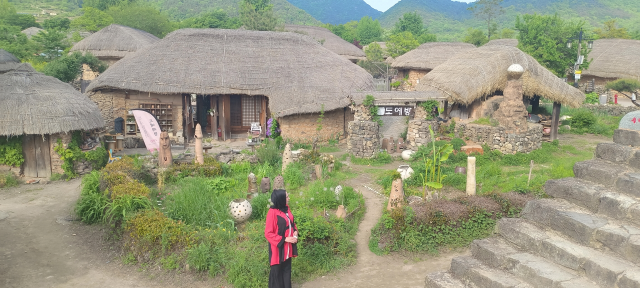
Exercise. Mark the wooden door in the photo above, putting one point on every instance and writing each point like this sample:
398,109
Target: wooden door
37,157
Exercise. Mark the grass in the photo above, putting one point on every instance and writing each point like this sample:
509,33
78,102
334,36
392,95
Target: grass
381,158
604,124
8,180
486,121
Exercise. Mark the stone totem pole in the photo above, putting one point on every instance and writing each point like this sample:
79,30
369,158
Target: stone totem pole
512,113
199,151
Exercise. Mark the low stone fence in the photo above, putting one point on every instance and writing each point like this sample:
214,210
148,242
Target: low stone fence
6,169
613,110
498,139
364,139
418,132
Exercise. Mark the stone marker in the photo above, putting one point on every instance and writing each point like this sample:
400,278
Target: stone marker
385,144
319,171
278,183
287,157
468,149
341,213
265,185
471,176
396,197
253,184
165,159
630,121
199,151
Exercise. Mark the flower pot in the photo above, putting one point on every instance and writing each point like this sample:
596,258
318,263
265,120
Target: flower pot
240,210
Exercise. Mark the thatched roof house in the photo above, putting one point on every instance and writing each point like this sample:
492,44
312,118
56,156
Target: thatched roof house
244,76
613,59
414,64
114,42
8,61
503,42
472,76
42,109
31,31
330,41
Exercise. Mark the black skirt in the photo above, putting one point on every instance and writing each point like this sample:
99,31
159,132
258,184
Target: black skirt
280,275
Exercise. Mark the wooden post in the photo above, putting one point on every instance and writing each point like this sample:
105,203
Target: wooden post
471,176
555,120
185,114
535,104
214,122
530,170
445,113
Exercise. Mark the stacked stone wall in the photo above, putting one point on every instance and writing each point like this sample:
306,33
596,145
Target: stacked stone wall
613,110
56,162
498,139
303,127
418,132
364,138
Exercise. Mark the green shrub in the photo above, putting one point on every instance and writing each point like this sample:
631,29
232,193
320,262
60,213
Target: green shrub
260,205
8,180
294,176
199,257
583,119
98,158
194,202
91,206
11,151
269,152
125,206
457,143
591,98
55,177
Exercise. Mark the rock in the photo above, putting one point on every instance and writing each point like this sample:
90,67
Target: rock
630,121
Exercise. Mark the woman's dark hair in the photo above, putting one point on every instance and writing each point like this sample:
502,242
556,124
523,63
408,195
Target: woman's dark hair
279,200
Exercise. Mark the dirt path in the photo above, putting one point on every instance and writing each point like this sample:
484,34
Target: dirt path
380,271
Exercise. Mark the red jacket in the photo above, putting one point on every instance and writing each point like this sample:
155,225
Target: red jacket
277,228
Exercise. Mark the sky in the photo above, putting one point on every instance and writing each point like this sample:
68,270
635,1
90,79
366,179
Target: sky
383,5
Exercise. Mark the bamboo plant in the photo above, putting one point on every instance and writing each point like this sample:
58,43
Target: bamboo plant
433,174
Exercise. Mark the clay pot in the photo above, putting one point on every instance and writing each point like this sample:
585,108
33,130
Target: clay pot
240,210
265,185
405,171
406,154
278,183
341,212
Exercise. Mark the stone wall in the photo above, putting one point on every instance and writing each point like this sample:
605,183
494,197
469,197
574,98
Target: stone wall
613,110
498,139
418,132
363,140
56,162
16,171
302,127
413,79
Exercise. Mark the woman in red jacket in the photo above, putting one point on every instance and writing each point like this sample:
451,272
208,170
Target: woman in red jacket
282,234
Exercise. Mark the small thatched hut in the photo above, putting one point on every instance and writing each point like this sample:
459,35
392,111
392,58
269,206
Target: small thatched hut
42,109
113,42
8,61
241,77
414,64
613,59
330,41
470,79
31,31
503,42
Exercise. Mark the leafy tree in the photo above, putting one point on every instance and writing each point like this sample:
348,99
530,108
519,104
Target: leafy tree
368,30
15,42
475,37
6,10
507,33
544,37
625,87
52,42
611,31
374,52
635,35
21,20
105,4
488,11
214,19
57,23
345,31
143,17
376,69
68,67
258,15
412,22
401,43
92,20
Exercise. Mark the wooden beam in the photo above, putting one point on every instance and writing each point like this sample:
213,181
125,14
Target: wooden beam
555,120
185,114
214,122
446,109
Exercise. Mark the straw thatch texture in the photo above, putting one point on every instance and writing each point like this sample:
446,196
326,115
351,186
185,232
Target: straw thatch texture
503,42
614,58
293,70
7,61
480,72
33,103
429,55
31,31
329,40
115,41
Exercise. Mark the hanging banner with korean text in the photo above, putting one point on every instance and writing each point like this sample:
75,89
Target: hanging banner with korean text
396,110
149,129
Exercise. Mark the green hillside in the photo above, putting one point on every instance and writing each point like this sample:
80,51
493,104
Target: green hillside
449,19
336,11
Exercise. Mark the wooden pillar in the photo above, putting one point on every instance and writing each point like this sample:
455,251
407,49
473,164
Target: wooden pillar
185,114
263,115
535,104
214,121
555,120
225,117
446,110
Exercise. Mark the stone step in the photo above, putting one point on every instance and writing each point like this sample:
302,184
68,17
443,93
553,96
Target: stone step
618,154
473,273
601,268
600,171
596,198
442,280
626,137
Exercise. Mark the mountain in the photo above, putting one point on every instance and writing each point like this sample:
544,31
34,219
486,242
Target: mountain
336,11
449,20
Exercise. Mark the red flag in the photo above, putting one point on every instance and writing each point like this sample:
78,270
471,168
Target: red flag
149,129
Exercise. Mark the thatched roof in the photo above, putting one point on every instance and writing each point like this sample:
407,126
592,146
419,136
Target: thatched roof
402,96
429,55
115,41
7,61
480,72
31,31
503,42
34,103
329,40
293,70
614,58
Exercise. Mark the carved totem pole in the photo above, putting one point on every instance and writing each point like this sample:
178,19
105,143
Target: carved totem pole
165,159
